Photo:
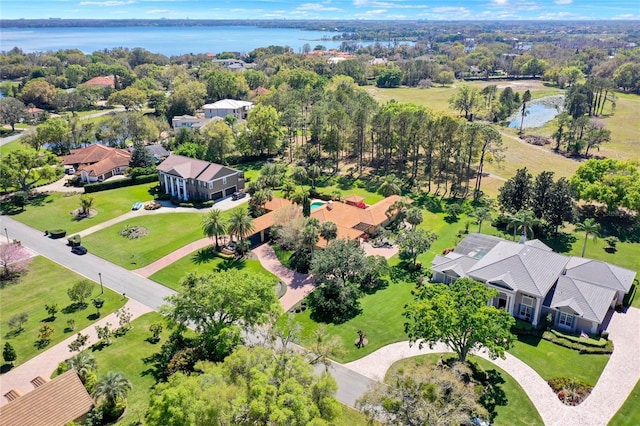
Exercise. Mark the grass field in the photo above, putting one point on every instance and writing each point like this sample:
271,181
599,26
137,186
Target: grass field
47,283
54,211
167,233
518,410
629,413
204,261
550,360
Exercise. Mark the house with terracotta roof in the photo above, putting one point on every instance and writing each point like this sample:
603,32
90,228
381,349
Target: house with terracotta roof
106,81
240,109
533,281
97,162
191,179
352,222
54,402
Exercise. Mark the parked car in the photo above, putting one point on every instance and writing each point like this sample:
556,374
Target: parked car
238,195
79,250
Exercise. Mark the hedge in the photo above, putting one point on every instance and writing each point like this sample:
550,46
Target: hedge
56,233
120,183
581,347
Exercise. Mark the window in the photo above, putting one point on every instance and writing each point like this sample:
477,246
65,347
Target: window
565,320
526,308
224,180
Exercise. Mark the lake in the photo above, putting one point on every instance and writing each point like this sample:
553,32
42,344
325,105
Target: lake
165,40
539,112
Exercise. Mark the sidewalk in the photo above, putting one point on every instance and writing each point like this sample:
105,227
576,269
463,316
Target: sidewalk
167,260
45,364
298,285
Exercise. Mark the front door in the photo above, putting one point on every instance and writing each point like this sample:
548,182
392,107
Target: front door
502,303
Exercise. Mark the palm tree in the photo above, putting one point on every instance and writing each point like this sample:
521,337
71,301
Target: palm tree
83,364
213,225
300,175
481,214
390,185
288,188
329,231
111,388
298,196
240,224
527,221
589,226
314,172
85,205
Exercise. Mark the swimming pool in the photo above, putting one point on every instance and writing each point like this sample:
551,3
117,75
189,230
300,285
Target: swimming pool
317,204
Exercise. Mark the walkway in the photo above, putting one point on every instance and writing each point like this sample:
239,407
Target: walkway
172,257
617,380
298,285
45,364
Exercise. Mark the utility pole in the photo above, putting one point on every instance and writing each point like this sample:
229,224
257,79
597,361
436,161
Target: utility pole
101,288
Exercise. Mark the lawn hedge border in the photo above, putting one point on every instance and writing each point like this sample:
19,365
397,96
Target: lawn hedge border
581,347
120,183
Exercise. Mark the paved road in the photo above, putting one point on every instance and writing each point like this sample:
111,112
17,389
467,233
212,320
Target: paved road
350,384
4,141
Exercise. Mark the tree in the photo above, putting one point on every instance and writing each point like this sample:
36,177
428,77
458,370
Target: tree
14,261
425,395
24,167
414,216
17,322
240,224
334,301
44,335
104,333
130,98
329,231
526,220
219,305
561,206
140,157
515,194
413,242
124,318
444,77
156,329
265,129
112,388
481,214
86,203
52,309
390,77
213,225
526,97
589,226
390,185
253,386
467,99
39,93
79,343
55,133
98,302
219,138
12,111
84,364
9,354
458,315
343,260
80,292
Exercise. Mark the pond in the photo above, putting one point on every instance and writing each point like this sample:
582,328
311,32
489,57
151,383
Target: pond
539,112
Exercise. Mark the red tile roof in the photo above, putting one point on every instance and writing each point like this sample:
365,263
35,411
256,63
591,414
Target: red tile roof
97,159
102,81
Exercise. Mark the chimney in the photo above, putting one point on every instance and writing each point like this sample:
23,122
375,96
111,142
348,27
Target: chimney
523,238
330,205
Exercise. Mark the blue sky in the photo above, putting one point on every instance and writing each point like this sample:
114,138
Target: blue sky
324,9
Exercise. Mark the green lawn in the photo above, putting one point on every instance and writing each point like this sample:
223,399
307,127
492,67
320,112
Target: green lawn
518,410
204,261
126,354
629,413
47,283
11,146
381,319
54,211
550,360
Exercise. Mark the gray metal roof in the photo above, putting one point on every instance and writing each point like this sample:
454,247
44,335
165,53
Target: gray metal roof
586,300
476,245
600,273
453,262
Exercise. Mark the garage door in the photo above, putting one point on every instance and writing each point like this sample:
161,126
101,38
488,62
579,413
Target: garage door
216,195
229,191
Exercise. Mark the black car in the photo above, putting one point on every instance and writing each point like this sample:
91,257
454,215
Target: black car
79,250
238,195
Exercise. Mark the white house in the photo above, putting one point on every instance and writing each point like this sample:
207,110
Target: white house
228,106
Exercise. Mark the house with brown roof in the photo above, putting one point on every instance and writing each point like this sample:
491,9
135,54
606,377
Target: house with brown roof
106,81
97,162
54,402
533,281
192,179
353,222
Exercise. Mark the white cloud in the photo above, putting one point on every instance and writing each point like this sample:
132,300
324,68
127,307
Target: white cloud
563,1
106,3
156,11
626,16
500,3
317,7
450,9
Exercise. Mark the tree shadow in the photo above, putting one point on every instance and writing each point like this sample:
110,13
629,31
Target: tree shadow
5,368
427,201
560,242
48,319
94,316
346,182
227,264
402,273
74,307
204,255
492,393
529,339
98,346
41,343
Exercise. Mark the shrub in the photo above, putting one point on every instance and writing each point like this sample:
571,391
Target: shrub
187,205
605,335
573,343
120,183
134,232
57,233
75,240
570,391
